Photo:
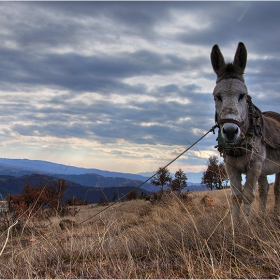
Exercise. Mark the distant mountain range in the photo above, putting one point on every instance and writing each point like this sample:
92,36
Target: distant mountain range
81,182
19,167
26,166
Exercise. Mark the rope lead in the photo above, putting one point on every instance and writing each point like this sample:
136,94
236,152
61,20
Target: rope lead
210,130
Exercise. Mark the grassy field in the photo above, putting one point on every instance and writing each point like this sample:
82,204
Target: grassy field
171,238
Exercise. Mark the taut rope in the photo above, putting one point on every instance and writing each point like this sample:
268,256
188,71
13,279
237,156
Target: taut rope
210,130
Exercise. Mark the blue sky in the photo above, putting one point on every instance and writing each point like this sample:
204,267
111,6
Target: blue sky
125,86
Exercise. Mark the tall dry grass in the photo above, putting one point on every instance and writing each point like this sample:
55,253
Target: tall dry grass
172,238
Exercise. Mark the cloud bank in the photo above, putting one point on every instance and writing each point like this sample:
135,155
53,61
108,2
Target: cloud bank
124,86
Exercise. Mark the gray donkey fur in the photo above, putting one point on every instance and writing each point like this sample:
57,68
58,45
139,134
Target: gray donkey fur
249,140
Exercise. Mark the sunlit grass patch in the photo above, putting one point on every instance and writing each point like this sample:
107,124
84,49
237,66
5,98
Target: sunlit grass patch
171,238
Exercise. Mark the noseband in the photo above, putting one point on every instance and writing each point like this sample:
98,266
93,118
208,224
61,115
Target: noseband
222,121
254,129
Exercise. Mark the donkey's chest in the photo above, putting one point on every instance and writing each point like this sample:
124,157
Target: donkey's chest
242,163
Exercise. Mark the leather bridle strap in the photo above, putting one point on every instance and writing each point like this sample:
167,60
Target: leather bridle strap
222,121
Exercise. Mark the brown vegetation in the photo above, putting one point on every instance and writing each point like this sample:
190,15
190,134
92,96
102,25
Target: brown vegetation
171,238
36,198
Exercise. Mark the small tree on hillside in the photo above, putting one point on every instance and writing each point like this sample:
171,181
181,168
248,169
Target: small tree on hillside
180,181
55,192
215,174
132,195
162,178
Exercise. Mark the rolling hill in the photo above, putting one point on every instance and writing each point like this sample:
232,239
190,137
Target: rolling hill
14,185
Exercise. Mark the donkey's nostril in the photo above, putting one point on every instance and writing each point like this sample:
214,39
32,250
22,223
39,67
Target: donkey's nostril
230,132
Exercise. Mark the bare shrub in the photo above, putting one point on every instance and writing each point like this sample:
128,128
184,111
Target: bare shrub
132,195
33,199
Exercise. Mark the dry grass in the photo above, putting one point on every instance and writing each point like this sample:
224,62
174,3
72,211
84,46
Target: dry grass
137,239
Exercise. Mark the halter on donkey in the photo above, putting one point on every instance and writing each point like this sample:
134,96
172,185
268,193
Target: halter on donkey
248,139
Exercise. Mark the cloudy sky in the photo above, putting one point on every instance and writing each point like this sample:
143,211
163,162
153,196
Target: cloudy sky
125,86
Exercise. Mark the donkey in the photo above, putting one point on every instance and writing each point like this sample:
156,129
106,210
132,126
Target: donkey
248,139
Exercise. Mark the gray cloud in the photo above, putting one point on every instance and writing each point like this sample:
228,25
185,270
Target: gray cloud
82,73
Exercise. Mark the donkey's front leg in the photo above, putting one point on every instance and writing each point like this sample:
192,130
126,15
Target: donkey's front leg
277,195
250,186
263,191
236,190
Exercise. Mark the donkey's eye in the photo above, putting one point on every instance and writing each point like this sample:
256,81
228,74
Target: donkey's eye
218,98
241,96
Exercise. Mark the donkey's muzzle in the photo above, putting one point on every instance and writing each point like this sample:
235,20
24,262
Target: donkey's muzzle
230,132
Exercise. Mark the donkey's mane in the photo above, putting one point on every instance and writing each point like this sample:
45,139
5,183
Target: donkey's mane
230,68
231,72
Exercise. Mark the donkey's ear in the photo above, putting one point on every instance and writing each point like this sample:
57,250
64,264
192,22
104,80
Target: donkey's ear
240,58
217,60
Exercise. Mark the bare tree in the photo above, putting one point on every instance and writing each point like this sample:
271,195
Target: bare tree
162,178
180,181
215,174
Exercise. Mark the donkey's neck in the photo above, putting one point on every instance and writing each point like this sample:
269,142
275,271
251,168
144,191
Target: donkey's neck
254,117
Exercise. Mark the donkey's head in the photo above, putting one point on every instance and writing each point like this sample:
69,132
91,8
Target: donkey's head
230,93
